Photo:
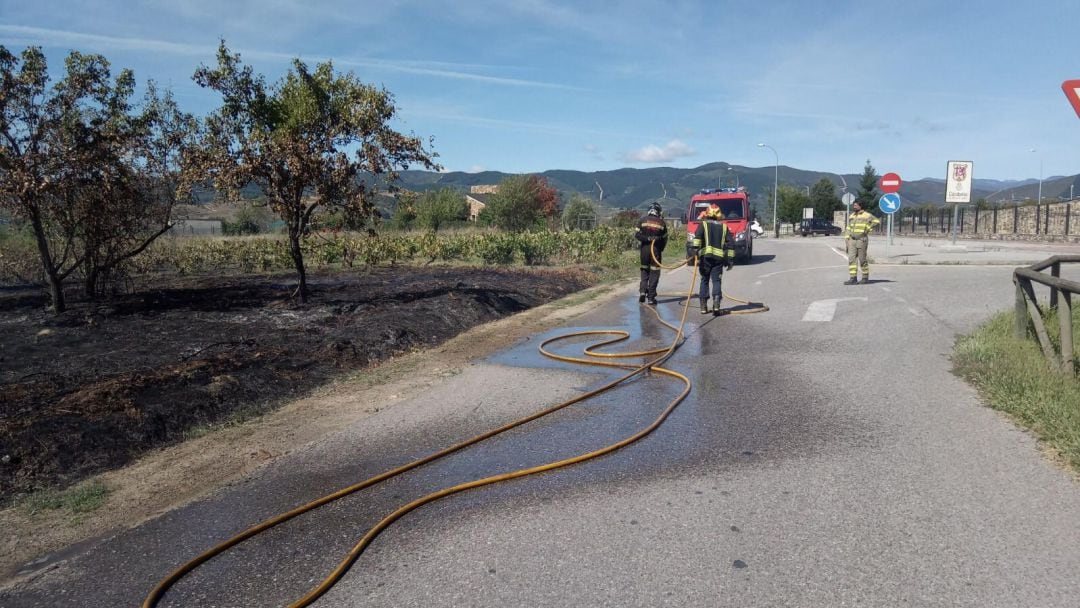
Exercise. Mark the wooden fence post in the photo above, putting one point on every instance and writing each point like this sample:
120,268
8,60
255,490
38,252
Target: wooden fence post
1055,271
1065,318
1020,312
1037,321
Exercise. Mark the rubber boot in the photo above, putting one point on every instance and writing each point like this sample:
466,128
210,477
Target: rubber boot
851,281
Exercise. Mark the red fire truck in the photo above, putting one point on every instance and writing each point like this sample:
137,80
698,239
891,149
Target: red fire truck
735,208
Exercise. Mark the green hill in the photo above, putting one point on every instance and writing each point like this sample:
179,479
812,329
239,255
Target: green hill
636,188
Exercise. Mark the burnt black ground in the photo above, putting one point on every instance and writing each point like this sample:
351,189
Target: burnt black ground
93,388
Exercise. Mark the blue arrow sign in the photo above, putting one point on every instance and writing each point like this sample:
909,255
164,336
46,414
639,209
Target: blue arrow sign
889,203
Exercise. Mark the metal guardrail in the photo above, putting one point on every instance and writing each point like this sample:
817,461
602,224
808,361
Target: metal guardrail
1027,306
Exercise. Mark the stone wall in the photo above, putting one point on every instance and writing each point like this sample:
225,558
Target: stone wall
1058,221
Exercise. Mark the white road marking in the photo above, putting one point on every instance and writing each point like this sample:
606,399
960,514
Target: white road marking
772,274
885,289
822,311
758,283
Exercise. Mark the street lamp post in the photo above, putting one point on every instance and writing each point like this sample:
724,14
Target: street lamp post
1040,175
776,176
847,205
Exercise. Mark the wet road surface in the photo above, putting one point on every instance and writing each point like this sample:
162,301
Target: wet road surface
816,463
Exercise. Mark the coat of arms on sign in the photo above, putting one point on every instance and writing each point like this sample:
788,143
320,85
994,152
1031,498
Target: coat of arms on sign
959,172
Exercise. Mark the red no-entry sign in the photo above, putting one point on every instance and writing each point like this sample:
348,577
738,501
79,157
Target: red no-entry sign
889,183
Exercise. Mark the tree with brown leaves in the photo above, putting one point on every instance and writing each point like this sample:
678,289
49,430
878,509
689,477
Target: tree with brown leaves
313,140
94,179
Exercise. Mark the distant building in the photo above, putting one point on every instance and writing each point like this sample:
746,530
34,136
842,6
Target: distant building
188,227
478,197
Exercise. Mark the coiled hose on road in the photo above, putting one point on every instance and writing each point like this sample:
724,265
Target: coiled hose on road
616,336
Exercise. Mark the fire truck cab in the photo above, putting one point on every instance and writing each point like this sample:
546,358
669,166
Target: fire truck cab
735,207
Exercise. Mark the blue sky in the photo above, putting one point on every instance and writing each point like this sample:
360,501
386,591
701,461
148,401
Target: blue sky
532,85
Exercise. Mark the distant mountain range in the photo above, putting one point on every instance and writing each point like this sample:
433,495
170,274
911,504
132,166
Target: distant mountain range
636,188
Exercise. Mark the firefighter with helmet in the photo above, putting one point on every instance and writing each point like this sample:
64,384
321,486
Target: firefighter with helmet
652,235
712,245
857,237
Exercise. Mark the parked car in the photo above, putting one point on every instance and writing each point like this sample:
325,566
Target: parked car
816,226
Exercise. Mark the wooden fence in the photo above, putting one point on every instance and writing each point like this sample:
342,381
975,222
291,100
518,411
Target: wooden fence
1027,306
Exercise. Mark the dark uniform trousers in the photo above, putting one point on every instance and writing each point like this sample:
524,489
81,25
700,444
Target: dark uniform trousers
652,235
650,271
711,270
714,252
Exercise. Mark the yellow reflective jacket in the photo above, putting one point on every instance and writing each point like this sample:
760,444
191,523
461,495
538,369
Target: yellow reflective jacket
860,225
711,240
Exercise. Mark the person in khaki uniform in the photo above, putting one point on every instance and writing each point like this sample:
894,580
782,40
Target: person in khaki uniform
860,225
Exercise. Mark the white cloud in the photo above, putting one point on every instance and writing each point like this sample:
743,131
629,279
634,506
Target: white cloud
477,169
657,154
55,37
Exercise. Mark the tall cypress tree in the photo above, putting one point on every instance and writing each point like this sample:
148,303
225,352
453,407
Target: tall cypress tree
824,200
867,186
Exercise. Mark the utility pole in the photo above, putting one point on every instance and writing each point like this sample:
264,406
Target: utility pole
776,177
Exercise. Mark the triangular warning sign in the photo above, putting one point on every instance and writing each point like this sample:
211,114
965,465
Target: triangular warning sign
1072,91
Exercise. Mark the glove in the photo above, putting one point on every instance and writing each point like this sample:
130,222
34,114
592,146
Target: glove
730,264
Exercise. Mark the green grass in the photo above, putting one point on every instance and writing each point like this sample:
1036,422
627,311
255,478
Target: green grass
1014,377
82,498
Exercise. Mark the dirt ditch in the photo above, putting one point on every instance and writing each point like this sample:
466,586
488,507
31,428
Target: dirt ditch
91,389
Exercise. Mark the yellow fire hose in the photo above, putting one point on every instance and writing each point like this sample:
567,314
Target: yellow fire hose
753,306
159,590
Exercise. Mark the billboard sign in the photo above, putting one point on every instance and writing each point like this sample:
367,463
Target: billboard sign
958,181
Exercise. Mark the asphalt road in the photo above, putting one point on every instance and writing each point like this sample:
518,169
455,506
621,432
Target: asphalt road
826,457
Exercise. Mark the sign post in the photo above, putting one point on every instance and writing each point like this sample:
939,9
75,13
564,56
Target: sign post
889,203
847,199
890,185
958,188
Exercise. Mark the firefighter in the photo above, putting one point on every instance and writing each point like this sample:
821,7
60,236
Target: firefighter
652,235
714,252
857,236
